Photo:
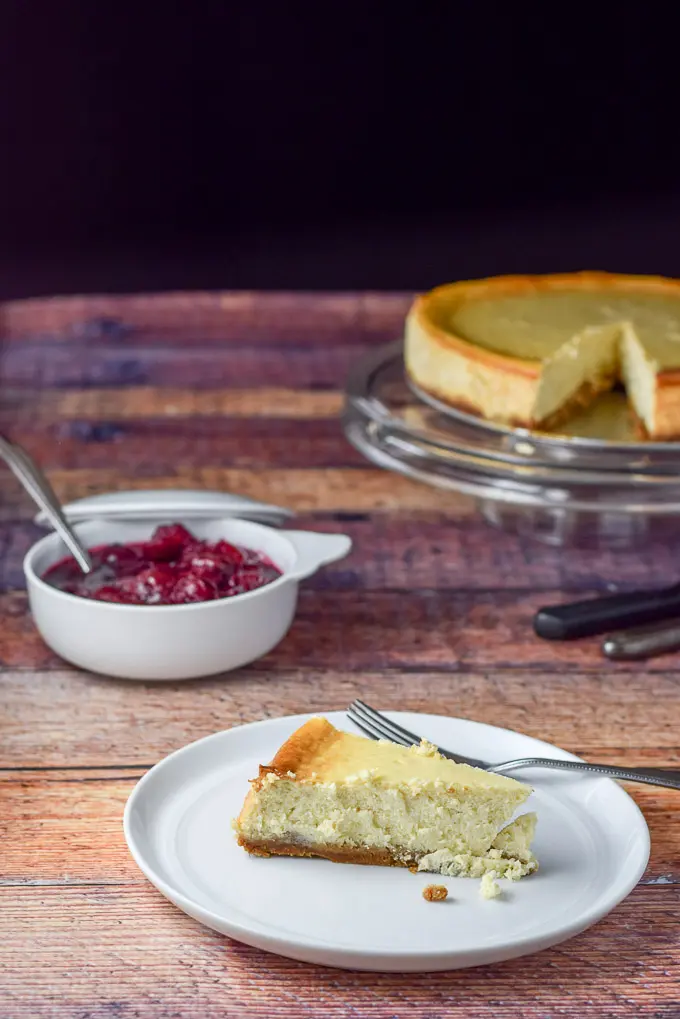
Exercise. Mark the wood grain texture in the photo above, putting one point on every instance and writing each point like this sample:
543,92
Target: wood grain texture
134,724
167,445
450,631
146,959
431,612
199,366
325,490
35,409
222,319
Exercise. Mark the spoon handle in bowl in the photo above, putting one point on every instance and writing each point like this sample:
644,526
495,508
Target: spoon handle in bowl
38,487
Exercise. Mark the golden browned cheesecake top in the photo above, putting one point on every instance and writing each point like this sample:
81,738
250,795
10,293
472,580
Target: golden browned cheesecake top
531,317
318,752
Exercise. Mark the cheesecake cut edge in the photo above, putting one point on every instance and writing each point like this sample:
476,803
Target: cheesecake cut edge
292,759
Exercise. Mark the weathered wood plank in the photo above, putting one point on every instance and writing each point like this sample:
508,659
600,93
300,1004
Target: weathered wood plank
124,951
65,831
80,364
33,409
431,612
627,716
288,319
447,631
352,490
165,445
65,827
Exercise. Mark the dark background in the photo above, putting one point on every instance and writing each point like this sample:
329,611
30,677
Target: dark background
279,145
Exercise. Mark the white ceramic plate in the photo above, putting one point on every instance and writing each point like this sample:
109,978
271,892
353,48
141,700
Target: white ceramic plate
592,843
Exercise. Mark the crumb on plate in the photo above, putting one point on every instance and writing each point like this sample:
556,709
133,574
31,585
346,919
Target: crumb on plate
435,893
489,887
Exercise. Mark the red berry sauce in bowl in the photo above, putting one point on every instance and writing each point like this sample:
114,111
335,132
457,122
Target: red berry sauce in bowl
172,568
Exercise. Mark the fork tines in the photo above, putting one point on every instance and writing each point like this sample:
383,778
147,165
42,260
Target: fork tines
378,726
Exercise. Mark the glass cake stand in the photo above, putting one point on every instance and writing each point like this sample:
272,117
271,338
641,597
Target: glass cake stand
597,484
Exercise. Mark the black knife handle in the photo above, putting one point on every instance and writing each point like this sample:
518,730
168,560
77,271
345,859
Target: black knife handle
599,615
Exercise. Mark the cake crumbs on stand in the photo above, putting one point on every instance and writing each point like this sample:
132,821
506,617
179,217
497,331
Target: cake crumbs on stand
435,893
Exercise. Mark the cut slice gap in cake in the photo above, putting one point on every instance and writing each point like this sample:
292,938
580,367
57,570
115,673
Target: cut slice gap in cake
579,370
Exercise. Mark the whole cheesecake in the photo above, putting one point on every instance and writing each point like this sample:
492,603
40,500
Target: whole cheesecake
328,793
529,350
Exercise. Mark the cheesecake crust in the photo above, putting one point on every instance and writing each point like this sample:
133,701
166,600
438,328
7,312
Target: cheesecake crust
435,893
583,397
667,424
336,854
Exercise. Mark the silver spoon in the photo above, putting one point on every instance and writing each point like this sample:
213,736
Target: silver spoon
38,487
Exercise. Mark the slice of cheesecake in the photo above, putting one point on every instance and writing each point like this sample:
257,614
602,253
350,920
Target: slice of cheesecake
529,350
352,800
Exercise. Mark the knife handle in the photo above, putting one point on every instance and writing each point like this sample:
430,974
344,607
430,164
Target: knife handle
599,615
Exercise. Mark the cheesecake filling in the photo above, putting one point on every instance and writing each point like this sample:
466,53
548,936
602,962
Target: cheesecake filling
412,821
509,855
639,373
587,364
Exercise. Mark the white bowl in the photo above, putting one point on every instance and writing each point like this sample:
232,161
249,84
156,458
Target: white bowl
171,642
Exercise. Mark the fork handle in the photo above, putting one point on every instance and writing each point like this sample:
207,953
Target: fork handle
652,776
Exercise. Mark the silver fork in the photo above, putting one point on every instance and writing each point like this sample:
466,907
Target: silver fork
378,726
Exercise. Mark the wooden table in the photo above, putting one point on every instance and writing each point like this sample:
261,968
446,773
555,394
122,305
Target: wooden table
431,613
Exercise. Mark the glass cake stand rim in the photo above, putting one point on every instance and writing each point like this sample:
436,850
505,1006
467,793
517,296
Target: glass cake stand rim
600,457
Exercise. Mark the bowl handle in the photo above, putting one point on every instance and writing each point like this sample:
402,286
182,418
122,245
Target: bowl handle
315,550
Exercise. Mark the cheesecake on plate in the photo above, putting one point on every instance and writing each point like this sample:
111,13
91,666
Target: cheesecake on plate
351,800
530,350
